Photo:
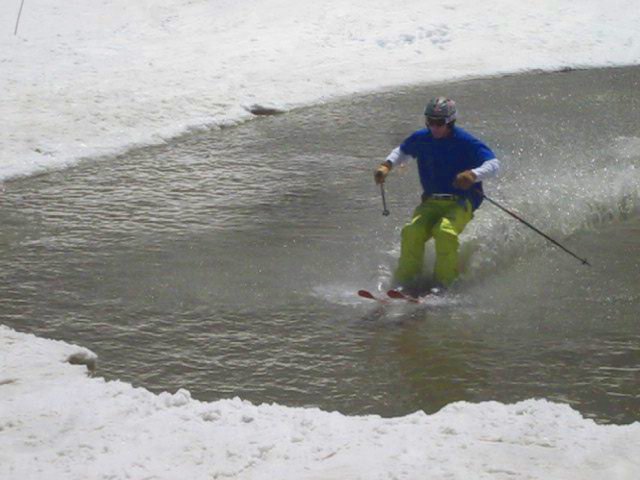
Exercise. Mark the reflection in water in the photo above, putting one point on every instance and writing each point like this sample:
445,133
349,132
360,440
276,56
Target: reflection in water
437,372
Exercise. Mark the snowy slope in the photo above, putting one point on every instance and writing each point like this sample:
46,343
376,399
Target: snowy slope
85,79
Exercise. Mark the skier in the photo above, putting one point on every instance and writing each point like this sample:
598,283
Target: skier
452,164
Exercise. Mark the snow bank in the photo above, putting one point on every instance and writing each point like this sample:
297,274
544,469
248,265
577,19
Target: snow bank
91,78
58,423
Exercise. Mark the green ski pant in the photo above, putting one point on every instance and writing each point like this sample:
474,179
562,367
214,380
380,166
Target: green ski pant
444,220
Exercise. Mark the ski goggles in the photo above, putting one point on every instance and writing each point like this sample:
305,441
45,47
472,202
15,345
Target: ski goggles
435,122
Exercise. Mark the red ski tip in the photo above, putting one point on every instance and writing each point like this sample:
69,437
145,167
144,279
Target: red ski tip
396,294
371,296
402,296
366,294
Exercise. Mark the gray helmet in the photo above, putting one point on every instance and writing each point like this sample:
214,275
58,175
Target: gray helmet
441,107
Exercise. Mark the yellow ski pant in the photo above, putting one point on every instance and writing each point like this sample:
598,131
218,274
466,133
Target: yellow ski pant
444,220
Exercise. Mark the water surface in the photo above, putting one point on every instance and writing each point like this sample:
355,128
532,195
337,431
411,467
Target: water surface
227,262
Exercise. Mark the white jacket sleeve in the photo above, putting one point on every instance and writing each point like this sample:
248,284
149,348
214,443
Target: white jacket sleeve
397,157
488,169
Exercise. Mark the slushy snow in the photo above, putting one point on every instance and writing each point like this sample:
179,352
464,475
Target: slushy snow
90,79
58,423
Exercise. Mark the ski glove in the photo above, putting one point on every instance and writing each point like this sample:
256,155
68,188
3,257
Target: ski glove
381,172
465,180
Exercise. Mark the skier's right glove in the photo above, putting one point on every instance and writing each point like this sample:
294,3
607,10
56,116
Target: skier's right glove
381,173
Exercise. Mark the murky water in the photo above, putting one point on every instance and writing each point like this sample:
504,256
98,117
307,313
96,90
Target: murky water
227,262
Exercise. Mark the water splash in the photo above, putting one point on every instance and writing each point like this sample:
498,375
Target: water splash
579,194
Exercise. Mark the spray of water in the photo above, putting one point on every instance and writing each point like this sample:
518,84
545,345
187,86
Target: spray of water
576,196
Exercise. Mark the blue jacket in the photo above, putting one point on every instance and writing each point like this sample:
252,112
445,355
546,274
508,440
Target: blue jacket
440,160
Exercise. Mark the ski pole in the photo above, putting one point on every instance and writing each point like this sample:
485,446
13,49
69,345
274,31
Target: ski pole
15,32
556,243
385,212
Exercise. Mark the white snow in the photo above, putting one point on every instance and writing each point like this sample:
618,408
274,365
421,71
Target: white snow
88,79
57,423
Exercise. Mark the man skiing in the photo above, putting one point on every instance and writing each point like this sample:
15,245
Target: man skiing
452,164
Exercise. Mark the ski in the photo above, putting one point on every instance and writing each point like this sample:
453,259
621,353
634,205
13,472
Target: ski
371,296
398,295
395,295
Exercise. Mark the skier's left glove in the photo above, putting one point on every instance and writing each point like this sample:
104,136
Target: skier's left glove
465,180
